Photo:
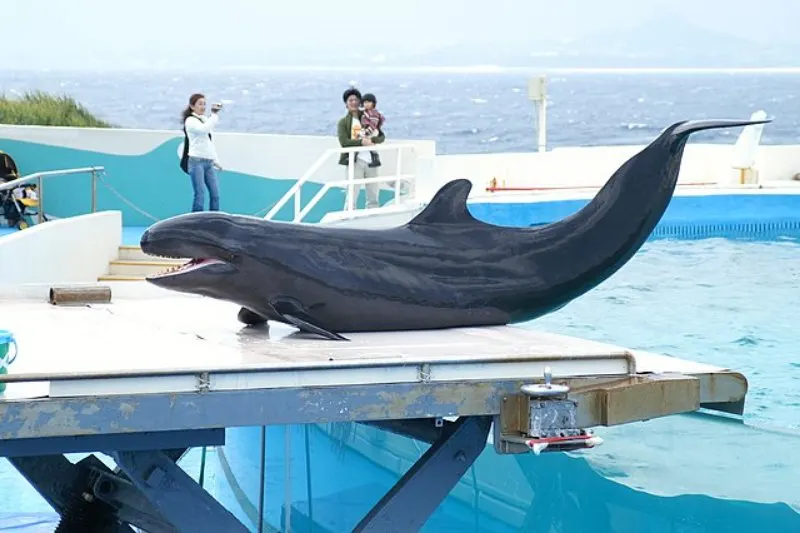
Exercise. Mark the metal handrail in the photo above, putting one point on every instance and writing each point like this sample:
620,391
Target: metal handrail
294,190
38,176
329,184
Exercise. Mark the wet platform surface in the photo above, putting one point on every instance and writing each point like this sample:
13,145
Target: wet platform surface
153,338
157,361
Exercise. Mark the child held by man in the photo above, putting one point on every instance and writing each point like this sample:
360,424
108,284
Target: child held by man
371,121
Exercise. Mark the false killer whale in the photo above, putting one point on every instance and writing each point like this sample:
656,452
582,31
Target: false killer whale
442,269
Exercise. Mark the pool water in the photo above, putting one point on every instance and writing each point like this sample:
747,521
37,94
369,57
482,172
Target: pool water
731,303
727,302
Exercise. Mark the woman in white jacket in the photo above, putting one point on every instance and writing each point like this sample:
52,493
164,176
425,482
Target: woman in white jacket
201,163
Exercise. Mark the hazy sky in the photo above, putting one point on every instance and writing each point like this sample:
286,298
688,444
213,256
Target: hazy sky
102,33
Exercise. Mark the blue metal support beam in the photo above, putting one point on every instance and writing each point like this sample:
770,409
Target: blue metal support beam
91,497
415,497
162,412
67,488
100,415
176,495
152,440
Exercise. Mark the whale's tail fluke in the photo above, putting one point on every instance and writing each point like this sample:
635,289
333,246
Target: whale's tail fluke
684,129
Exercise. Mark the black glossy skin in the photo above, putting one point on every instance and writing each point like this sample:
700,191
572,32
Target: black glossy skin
443,269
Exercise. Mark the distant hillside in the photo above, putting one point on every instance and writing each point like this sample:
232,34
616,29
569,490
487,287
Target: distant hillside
665,41
671,41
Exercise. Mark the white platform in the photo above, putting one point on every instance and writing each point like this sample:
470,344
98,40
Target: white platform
162,344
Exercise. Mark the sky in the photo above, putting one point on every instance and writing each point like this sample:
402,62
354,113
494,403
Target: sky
116,34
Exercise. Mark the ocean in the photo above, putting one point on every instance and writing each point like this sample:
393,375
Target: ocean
467,111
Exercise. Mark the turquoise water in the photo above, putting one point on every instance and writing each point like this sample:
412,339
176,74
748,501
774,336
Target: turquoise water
726,301
729,302
726,296
680,474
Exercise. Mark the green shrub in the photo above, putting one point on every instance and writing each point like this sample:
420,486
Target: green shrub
42,109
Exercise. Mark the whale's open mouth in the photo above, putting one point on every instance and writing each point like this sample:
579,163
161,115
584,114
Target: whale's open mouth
189,266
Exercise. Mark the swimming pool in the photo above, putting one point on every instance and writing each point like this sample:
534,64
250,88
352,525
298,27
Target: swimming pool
727,300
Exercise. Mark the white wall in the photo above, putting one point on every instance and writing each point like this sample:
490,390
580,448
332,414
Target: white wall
290,156
76,249
267,155
592,166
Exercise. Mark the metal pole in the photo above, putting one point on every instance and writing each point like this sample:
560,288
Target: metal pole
40,215
351,201
287,481
543,124
537,92
263,480
397,175
94,191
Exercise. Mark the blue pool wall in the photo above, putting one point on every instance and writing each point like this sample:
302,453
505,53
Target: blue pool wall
753,213
750,216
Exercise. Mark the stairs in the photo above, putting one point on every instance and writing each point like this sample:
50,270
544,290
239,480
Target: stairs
133,265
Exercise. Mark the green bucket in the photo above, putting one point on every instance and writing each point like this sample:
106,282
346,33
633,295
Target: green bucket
8,353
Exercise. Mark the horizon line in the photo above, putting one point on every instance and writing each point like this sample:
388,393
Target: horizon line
454,69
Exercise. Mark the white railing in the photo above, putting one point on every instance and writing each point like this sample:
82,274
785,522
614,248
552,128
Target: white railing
350,200
39,176
351,183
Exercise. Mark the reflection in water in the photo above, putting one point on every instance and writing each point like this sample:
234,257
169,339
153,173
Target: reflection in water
687,474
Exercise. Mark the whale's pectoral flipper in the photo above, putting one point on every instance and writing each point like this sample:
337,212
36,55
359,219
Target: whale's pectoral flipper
246,316
308,327
294,314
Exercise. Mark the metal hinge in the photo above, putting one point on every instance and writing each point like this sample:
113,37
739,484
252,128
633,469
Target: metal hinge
203,382
424,372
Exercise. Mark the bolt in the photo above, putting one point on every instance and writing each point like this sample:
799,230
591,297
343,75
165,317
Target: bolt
460,456
105,487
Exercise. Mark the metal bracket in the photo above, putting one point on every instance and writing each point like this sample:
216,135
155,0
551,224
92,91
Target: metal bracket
80,495
424,373
421,429
131,506
90,497
203,382
541,419
175,494
411,502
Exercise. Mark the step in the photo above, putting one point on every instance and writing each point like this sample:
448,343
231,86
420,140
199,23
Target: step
123,267
134,253
119,277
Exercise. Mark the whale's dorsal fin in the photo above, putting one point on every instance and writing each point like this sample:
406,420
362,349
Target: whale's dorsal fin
448,206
